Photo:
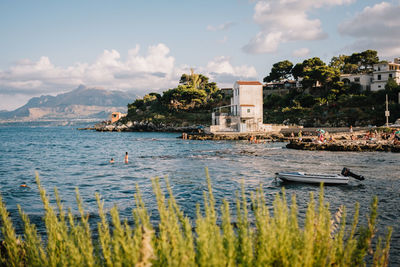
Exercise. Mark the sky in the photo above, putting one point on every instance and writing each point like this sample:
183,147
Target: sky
50,47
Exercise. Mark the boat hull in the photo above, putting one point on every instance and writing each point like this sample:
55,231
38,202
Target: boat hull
299,177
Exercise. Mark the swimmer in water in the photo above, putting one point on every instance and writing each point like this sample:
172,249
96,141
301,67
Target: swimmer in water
126,157
112,160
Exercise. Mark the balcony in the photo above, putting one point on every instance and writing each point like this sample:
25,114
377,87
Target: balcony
226,111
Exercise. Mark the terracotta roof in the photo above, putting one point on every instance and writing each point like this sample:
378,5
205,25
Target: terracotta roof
249,83
244,105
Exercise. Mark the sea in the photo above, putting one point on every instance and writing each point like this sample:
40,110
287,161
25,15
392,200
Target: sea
68,159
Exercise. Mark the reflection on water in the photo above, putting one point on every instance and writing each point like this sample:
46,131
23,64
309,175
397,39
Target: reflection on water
66,158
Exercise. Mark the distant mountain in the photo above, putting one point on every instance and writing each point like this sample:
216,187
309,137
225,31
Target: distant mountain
81,103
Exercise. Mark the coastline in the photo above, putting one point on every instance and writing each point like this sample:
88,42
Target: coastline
351,146
143,126
362,139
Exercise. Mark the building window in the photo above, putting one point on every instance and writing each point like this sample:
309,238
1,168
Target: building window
379,86
357,80
379,77
248,110
390,75
379,68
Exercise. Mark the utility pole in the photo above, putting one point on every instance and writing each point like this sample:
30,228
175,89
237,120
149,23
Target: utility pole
387,112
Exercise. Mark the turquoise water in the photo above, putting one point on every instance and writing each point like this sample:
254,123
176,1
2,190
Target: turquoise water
67,158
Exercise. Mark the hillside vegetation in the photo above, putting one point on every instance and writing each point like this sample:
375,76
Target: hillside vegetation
191,102
322,99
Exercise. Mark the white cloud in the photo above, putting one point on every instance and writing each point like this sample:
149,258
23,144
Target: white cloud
376,27
221,70
152,71
221,27
283,21
302,52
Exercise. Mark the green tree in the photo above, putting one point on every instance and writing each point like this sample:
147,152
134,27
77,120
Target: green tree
305,70
317,73
279,71
194,80
297,71
339,62
364,60
391,85
349,68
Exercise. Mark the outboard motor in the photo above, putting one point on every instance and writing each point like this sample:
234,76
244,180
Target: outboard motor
347,172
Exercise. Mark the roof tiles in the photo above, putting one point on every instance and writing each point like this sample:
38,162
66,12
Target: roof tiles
249,83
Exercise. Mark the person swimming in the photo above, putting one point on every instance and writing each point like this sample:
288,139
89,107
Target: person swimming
126,157
112,160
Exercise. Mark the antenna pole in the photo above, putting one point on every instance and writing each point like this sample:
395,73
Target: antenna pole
387,113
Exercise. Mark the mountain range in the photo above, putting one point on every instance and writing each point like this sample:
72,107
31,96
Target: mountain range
81,103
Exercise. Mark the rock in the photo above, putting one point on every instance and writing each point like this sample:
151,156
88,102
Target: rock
344,146
109,127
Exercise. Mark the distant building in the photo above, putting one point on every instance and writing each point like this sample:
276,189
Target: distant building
115,116
245,113
384,71
285,84
281,87
363,79
378,78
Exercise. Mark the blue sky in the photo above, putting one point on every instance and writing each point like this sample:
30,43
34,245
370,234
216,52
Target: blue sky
49,47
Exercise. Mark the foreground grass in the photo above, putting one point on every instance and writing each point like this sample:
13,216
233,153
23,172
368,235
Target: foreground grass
263,240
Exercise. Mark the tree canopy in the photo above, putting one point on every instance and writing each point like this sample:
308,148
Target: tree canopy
193,92
355,63
313,72
280,71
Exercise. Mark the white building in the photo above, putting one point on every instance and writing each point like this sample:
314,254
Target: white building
378,78
245,113
384,71
363,79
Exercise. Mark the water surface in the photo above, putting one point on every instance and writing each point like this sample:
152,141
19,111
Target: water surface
67,158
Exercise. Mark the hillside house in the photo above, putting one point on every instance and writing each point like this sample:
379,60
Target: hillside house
376,80
383,71
363,79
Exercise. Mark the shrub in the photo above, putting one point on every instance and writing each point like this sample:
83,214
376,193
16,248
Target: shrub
264,240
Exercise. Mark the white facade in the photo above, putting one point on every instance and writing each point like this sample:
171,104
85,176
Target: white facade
378,78
245,114
384,71
363,79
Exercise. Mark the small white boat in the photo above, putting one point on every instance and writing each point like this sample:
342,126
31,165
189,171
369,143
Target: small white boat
313,178
316,178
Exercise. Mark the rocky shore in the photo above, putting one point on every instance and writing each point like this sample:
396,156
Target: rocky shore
336,139
353,145
142,126
256,137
